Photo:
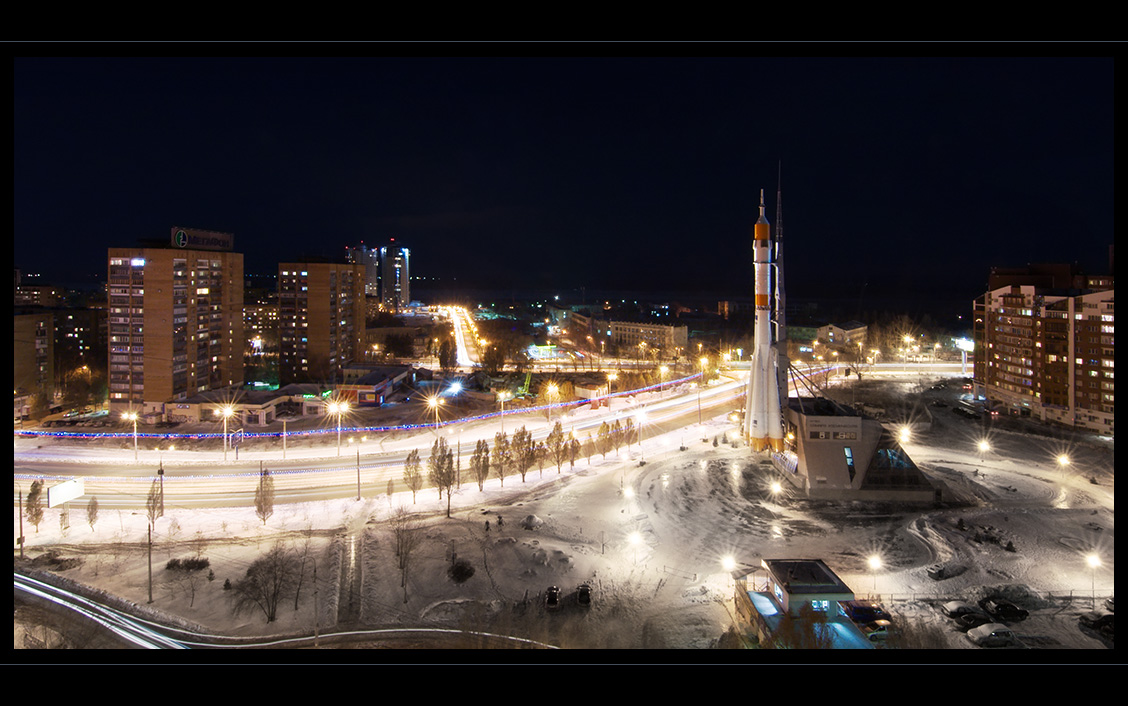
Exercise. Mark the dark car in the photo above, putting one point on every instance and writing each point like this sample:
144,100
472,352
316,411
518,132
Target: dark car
1096,620
967,621
1003,610
864,611
583,595
552,598
1110,604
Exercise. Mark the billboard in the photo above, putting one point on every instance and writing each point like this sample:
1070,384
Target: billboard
196,239
64,492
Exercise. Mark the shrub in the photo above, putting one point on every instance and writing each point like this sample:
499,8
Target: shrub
460,571
226,584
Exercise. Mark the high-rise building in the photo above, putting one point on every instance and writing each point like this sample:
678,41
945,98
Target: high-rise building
175,321
33,356
395,276
1045,345
321,315
370,258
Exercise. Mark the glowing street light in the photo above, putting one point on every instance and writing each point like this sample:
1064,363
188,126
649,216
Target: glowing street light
984,447
1063,461
227,411
1094,562
434,403
338,408
662,378
874,564
132,417
905,434
552,389
502,397
728,563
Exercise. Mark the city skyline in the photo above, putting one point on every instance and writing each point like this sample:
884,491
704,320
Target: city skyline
900,176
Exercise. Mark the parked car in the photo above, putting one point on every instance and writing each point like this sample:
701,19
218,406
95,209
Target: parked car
954,609
583,595
1096,619
1000,609
864,611
993,635
1109,604
552,598
937,572
968,621
877,631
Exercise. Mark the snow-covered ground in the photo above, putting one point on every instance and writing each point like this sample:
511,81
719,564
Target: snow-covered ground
650,539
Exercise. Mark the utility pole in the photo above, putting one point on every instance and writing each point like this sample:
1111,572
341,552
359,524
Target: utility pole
358,474
21,525
150,562
283,439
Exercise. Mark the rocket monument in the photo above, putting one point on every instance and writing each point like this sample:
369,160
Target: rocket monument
763,422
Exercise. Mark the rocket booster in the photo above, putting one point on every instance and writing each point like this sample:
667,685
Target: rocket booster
763,425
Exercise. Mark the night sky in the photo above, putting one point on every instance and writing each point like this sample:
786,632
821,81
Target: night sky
901,176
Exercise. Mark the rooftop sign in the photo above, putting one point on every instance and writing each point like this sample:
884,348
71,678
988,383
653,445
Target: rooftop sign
195,239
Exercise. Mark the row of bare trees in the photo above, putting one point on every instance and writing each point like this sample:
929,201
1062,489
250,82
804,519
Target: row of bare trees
514,455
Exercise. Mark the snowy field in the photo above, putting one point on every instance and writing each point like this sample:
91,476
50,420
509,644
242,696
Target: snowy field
650,539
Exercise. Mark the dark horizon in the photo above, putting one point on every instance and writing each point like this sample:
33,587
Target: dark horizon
905,177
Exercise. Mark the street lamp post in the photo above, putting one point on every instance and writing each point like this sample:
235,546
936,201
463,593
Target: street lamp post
551,400
874,564
1094,562
341,408
502,397
132,416
226,413
434,403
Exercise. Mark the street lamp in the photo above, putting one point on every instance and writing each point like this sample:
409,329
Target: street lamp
338,408
1063,461
132,417
984,447
662,379
502,397
226,412
874,564
551,400
434,403
905,433
1094,562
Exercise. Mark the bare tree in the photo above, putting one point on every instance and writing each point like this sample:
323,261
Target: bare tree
303,559
540,453
573,451
92,512
268,580
264,496
442,469
34,504
523,451
588,449
603,439
617,434
407,539
557,445
630,434
502,455
412,473
153,503
187,580
480,463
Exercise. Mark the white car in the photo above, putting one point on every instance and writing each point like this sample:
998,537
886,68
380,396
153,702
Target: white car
954,609
993,635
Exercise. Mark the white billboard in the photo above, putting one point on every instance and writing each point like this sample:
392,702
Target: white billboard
65,492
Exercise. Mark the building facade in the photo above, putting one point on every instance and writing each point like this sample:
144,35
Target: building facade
175,324
33,352
321,310
1047,351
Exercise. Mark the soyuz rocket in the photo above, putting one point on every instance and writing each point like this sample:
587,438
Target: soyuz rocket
763,422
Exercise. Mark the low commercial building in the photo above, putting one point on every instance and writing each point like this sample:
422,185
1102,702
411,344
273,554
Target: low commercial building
834,453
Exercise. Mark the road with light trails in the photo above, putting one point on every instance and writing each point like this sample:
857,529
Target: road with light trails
130,631
119,483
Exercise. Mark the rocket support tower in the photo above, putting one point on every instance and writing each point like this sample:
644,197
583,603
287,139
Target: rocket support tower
763,424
